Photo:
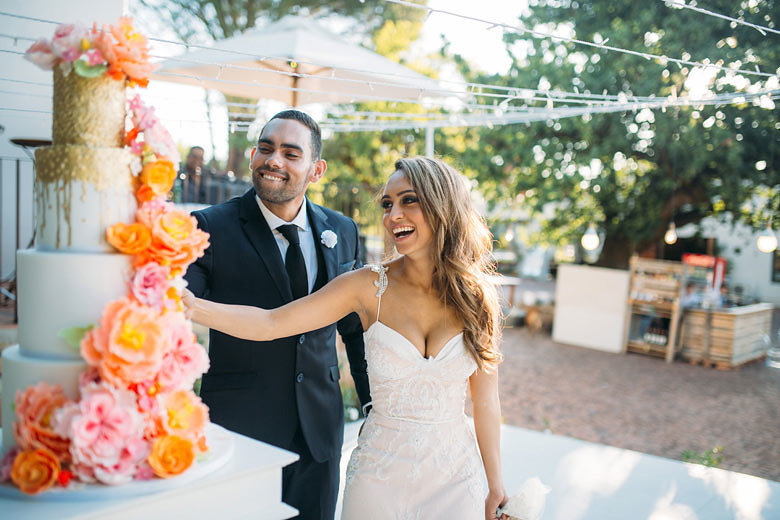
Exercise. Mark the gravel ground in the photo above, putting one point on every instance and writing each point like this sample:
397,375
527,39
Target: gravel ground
643,404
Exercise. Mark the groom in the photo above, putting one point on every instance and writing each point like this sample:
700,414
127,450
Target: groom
268,247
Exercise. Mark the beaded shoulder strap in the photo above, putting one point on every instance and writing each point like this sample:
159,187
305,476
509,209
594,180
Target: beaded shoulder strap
380,283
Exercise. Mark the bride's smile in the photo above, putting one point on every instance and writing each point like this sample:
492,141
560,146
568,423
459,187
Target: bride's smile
403,217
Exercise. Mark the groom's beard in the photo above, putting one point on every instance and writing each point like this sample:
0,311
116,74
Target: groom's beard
277,191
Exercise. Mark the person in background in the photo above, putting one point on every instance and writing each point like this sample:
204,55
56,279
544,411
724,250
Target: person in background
723,296
196,183
692,297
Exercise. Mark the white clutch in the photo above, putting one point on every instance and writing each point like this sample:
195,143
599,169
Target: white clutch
527,503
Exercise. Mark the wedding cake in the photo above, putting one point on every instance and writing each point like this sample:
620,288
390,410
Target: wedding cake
99,388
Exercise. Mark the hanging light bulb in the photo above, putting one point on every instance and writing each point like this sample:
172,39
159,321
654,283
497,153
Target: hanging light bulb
670,237
590,240
510,234
767,240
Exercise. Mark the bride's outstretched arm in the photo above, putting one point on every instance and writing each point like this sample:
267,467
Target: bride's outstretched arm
487,424
338,298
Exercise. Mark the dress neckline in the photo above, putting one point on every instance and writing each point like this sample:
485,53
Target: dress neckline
412,345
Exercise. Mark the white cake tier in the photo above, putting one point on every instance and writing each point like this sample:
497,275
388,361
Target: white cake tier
62,290
80,191
20,372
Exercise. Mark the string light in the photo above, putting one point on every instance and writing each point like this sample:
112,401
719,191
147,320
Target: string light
474,89
767,240
590,240
670,237
555,37
680,4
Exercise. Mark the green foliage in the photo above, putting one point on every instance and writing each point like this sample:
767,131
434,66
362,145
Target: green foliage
74,335
680,164
202,20
710,458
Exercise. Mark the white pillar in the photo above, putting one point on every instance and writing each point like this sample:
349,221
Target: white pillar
429,141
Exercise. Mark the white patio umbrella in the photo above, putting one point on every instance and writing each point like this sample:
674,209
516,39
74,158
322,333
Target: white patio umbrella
316,66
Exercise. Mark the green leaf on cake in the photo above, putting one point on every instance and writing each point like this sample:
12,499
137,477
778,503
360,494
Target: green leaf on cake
85,70
74,335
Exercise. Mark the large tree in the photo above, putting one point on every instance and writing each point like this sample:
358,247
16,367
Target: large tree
633,173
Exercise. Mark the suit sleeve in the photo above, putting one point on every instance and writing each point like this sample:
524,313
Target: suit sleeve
351,331
198,273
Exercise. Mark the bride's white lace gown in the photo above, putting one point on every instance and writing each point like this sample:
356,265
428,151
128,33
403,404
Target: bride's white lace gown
416,457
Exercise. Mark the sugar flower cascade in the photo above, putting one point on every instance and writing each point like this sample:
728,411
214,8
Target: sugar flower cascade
137,416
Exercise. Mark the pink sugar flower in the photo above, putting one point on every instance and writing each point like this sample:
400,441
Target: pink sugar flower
90,375
143,116
42,55
67,41
149,285
94,57
186,360
161,142
147,396
7,463
106,434
71,55
144,472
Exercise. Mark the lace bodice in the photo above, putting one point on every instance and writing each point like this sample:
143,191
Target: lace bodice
406,385
416,456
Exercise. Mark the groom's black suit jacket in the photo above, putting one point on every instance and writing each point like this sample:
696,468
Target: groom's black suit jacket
265,389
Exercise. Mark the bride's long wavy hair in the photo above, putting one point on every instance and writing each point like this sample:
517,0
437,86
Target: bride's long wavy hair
461,249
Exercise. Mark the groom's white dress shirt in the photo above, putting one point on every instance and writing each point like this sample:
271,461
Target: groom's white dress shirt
305,235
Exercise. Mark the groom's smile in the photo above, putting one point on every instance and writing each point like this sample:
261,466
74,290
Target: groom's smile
272,176
283,165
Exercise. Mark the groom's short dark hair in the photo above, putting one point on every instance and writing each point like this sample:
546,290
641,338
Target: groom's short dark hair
307,121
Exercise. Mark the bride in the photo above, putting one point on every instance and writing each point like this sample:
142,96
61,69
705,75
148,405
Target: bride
431,321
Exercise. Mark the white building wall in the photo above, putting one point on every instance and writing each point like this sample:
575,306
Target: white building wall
23,96
747,266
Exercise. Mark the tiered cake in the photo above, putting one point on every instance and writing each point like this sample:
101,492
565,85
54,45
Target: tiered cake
83,185
99,388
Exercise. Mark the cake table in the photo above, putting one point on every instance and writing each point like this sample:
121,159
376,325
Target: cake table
247,485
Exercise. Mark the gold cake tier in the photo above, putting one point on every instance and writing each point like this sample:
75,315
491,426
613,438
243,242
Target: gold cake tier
88,111
102,167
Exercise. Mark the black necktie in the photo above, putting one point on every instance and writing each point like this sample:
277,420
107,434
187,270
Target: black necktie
294,263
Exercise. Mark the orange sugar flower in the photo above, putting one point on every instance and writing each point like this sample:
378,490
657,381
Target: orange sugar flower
176,239
35,470
184,414
131,136
130,239
159,176
144,194
128,346
171,455
33,428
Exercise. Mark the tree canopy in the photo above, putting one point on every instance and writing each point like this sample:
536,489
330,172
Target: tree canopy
633,173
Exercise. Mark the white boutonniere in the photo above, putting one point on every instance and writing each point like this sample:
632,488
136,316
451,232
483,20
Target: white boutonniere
329,239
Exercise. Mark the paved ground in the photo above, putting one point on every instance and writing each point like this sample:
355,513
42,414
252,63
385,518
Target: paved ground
641,403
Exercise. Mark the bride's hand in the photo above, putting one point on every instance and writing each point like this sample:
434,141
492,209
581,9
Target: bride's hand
188,299
494,500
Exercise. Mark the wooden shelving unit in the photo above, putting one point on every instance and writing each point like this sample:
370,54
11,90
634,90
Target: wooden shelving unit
654,310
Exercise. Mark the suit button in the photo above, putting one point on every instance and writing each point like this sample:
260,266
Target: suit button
302,339
299,377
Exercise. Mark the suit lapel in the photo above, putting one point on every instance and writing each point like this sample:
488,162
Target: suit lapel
319,223
262,239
